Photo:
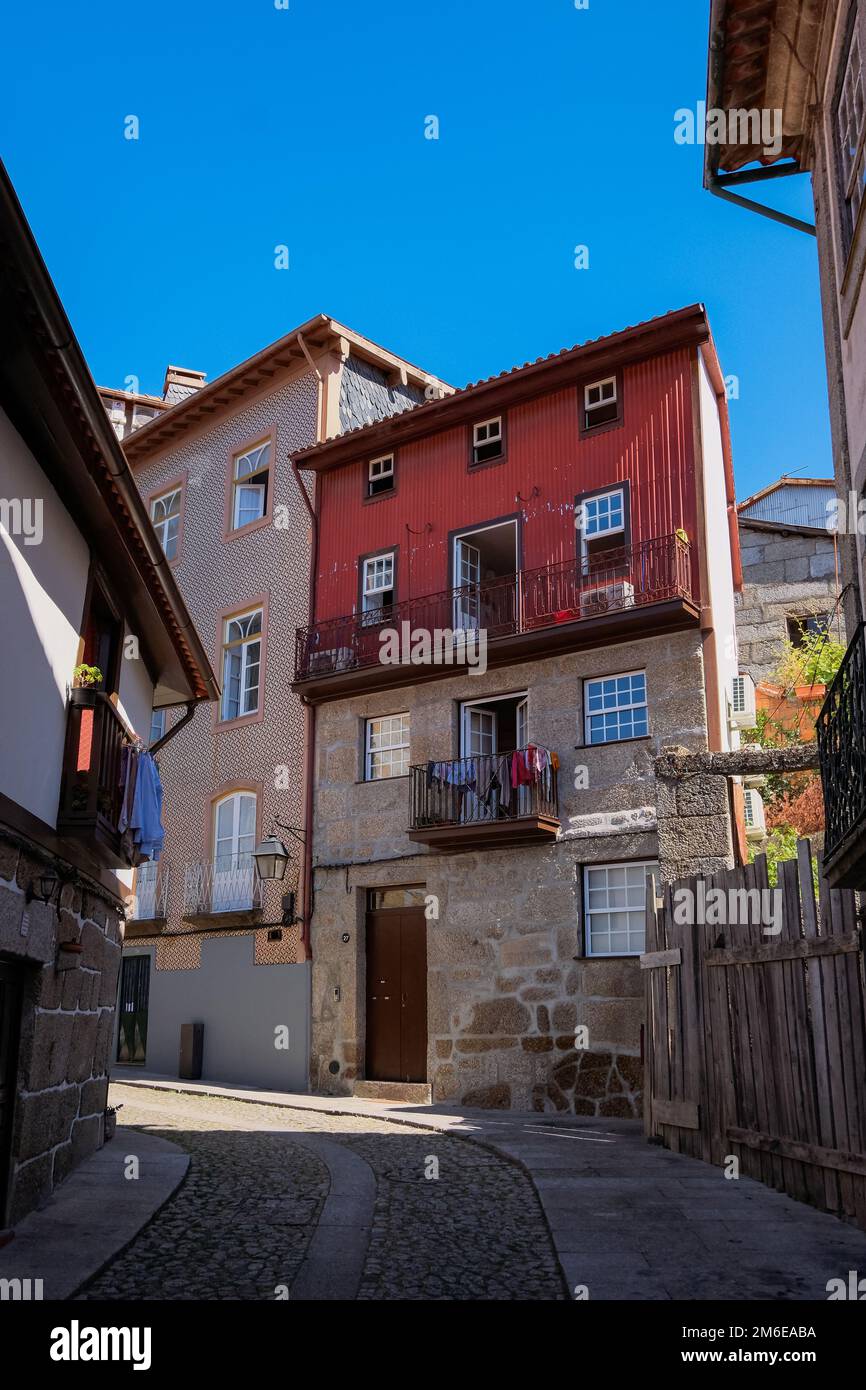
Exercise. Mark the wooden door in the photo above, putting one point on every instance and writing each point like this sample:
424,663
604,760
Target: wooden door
10,1021
397,995
134,993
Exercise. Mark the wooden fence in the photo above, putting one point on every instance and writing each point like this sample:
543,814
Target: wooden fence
756,1042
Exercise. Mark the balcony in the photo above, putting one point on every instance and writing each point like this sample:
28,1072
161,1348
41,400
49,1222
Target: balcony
146,910
561,607
470,803
90,791
841,732
227,886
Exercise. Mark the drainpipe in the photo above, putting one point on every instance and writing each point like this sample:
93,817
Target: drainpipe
309,731
175,728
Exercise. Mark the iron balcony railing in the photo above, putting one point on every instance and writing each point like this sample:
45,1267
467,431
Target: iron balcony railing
841,731
228,883
484,788
149,899
652,572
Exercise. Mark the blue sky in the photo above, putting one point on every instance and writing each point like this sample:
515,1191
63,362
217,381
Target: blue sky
304,127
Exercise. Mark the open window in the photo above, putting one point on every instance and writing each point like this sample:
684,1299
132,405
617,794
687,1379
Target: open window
250,485
378,586
484,564
380,476
600,404
603,530
488,441
102,638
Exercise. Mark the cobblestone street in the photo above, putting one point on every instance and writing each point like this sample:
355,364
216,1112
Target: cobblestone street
278,1200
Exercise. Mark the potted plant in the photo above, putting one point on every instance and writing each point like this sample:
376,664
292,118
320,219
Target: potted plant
87,677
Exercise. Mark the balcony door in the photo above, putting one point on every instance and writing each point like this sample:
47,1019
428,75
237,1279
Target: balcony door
234,840
484,567
467,578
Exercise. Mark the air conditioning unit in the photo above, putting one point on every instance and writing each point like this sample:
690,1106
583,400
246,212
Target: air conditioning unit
607,598
742,702
753,804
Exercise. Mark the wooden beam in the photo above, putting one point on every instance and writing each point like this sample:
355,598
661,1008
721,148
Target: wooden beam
685,1114
839,1159
844,944
655,960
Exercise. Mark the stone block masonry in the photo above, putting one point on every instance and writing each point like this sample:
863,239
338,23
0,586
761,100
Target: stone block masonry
67,1019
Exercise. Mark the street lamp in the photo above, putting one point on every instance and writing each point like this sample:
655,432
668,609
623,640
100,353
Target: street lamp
271,858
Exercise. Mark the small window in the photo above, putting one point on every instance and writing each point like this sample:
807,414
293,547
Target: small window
800,628
165,515
614,908
251,473
157,725
380,476
850,122
616,708
387,751
242,654
377,592
600,403
487,441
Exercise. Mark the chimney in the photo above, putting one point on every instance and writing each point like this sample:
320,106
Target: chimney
179,383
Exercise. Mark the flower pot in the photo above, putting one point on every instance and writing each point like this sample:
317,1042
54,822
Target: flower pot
810,692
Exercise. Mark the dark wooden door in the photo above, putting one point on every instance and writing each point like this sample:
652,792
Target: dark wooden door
397,995
10,1022
132,1024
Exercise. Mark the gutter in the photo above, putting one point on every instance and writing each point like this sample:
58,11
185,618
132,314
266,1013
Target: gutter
309,728
720,184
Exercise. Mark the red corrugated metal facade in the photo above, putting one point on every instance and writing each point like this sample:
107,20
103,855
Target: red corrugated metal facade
652,449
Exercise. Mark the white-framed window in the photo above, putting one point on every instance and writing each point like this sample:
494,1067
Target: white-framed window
615,707
753,812
233,868
380,475
487,440
165,515
850,121
600,402
157,725
377,588
614,908
251,473
242,656
603,514
387,747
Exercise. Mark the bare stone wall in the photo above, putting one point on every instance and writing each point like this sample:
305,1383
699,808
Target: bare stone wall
785,574
67,1021
508,979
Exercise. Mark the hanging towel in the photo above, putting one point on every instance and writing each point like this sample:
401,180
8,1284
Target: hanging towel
146,820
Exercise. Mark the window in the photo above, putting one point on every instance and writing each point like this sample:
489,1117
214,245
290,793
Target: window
800,628
614,905
233,869
413,895
165,515
616,708
487,441
380,476
157,725
242,651
602,521
387,753
600,403
250,481
850,122
377,591
753,813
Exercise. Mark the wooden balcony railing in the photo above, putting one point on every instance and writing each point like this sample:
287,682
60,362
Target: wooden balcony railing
494,798
91,792
841,733
653,572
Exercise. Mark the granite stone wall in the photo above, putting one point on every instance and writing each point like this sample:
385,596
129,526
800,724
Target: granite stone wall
67,1019
785,574
509,980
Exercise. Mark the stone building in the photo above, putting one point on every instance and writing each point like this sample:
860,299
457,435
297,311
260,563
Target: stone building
555,552
207,942
82,581
804,59
791,571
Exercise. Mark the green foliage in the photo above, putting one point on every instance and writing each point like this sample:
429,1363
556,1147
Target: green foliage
814,662
781,845
87,676
771,733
